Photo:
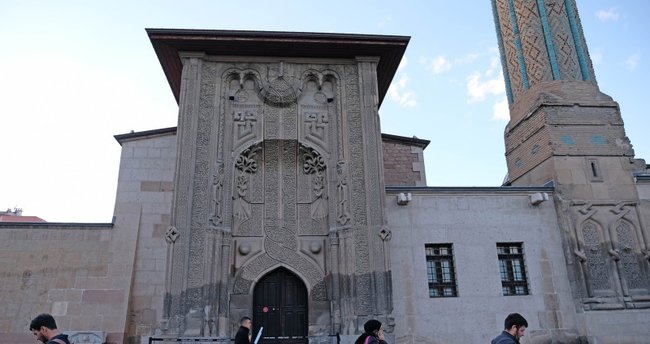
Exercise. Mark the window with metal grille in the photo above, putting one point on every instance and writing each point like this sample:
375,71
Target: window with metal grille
440,270
512,269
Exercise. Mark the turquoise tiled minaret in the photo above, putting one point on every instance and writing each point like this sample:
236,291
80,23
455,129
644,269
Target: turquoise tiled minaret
556,107
540,40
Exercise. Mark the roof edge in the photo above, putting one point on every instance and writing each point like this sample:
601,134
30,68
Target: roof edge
469,189
168,43
412,141
121,138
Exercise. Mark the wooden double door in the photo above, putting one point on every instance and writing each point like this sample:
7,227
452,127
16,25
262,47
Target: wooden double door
280,306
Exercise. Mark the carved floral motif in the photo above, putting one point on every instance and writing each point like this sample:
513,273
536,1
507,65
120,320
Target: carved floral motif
246,161
314,164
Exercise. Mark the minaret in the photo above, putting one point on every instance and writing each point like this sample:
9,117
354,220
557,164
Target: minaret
564,131
560,122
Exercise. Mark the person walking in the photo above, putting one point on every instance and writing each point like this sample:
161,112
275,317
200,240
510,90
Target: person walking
373,333
514,327
44,328
244,334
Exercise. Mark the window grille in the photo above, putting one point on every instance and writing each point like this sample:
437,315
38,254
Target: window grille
512,269
440,270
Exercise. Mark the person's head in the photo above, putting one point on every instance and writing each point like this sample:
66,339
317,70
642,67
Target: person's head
43,327
372,327
246,322
515,324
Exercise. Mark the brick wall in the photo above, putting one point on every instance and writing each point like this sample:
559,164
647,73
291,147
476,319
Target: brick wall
403,164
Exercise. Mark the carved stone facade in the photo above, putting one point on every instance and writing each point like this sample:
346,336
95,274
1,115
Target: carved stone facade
277,167
609,255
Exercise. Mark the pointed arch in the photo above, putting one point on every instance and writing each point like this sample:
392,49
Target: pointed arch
280,305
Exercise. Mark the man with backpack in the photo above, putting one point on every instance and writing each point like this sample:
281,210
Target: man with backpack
44,328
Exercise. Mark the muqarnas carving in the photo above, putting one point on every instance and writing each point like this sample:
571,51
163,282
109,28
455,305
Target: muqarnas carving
316,108
246,107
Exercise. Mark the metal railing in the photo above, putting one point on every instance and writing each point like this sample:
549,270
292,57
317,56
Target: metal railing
183,340
194,340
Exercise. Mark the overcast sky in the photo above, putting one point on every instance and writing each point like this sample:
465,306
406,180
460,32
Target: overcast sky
75,73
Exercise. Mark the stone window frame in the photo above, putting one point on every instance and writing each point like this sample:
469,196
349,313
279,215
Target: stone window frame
512,269
594,171
441,271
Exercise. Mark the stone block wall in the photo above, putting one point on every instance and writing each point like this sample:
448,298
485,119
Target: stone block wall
88,275
146,182
474,220
56,268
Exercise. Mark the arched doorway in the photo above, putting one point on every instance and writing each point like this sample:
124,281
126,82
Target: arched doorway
280,305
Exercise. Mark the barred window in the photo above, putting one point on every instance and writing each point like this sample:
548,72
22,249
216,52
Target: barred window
512,268
440,270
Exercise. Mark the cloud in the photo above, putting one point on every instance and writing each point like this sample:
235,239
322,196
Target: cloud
607,15
437,65
479,89
440,64
399,91
632,61
489,84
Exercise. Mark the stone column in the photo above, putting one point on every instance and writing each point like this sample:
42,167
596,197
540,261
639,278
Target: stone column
180,241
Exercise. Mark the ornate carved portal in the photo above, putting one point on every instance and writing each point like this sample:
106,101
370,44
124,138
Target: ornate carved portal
278,170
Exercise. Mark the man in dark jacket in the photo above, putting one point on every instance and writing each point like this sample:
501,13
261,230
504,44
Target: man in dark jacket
514,327
44,328
243,335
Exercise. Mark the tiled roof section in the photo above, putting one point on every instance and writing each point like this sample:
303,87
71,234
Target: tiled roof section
16,218
169,42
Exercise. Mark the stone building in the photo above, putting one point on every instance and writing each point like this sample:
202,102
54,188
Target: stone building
277,196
